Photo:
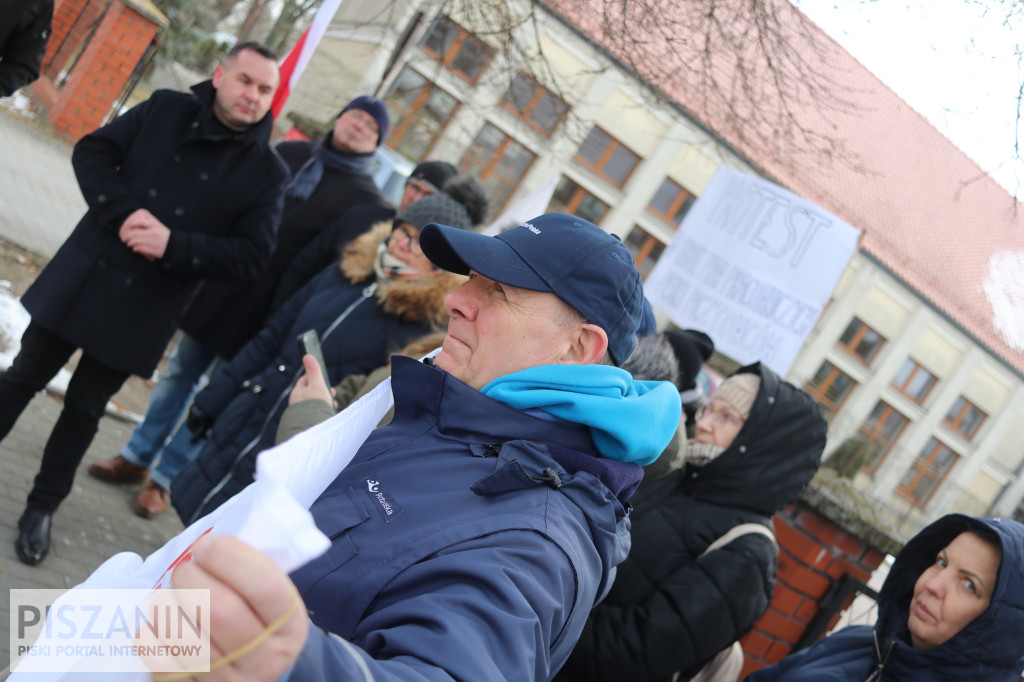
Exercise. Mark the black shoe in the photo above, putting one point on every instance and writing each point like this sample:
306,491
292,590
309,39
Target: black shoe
33,542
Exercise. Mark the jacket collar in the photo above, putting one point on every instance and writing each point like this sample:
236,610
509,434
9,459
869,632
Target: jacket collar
259,133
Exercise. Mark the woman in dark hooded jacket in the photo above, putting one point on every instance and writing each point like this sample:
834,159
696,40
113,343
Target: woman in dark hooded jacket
382,294
951,610
673,608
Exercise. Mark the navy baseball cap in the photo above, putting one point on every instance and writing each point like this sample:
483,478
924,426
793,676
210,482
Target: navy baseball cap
573,259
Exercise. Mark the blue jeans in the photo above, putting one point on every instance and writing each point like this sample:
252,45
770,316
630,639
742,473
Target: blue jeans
162,434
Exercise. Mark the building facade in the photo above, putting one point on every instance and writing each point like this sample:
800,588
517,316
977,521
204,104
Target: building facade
920,371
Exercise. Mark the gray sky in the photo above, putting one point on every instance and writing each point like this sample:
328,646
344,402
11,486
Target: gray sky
952,60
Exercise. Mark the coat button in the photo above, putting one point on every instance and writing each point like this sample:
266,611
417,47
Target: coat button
204,176
102,198
197,261
257,389
179,211
151,192
245,384
195,124
282,368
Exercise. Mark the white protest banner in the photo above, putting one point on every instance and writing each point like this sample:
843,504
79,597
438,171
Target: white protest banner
752,265
271,514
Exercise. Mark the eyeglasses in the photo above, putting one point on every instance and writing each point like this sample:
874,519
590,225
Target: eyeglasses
412,240
720,418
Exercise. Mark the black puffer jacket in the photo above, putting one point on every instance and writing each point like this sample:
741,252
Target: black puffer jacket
670,609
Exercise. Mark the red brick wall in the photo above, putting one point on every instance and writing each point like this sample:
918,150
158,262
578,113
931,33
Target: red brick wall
103,67
813,552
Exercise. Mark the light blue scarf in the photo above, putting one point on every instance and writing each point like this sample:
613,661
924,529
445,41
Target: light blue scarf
630,421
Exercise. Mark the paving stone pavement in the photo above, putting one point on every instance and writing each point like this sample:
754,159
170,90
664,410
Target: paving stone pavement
95,522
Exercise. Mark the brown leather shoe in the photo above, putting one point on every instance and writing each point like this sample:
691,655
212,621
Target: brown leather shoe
152,501
118,470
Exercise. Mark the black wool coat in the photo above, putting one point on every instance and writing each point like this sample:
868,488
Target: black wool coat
220,192
24,30
225,315
672,610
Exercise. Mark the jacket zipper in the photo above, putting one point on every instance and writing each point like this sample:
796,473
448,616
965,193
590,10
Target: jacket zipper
366,293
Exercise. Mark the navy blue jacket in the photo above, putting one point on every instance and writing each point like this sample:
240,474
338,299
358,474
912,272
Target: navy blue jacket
989,649
248,395
220,193
469,541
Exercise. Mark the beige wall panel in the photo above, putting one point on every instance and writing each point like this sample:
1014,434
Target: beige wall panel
937,354
693,170
882,313
629,122
986,392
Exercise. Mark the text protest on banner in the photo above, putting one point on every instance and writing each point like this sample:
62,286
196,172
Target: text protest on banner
752,265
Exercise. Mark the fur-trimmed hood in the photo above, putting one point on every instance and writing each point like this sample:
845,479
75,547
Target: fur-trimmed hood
413,299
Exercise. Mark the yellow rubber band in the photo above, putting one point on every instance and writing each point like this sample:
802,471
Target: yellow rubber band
237,653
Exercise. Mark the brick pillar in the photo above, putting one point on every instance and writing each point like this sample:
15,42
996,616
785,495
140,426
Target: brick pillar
93,50
814,552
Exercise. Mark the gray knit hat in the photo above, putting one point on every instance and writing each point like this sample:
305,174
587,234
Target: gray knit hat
437,208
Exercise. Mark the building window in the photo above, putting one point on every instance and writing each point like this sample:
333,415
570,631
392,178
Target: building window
534,104
914,380
455,47
964,417
671,202
421,109
830,387
607,157
499,161
861,340
880,431
571,198
926,473
646,249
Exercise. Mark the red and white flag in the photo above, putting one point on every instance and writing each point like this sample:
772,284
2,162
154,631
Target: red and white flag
295,61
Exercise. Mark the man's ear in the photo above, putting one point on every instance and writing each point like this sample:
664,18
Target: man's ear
218,75
589,344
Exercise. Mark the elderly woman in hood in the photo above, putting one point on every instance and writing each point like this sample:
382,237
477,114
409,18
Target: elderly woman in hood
951,609
382,294
677,602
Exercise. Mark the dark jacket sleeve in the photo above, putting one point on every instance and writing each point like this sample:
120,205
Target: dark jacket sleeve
96,158
21,55
695,613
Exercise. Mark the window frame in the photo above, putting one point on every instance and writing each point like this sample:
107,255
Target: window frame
684,199
579,194
486,169
451,53
954,423
934,446
525,115
408,118
650,243
858,337
605,156
819,392
903,388
873,435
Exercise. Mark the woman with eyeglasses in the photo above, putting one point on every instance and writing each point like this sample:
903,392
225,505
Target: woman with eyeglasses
381,295
689,588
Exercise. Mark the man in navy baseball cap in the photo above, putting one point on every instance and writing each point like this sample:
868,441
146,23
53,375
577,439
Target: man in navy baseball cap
582,265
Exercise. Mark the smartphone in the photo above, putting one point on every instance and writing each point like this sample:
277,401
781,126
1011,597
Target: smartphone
309,344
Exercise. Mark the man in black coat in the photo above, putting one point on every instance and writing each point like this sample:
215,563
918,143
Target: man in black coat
331,177
181,188
24,30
